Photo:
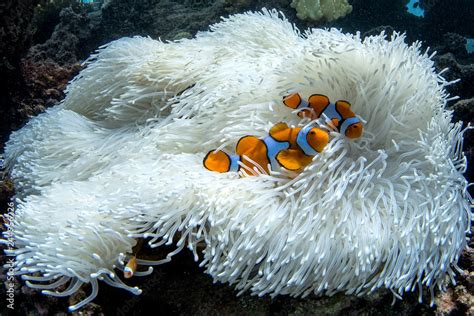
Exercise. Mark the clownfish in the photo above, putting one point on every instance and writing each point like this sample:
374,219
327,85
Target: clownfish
130,268
338,114
290,148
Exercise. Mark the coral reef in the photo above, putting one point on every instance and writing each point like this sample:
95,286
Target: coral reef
451,43
464,111
456,71
272,234
459,300
47,17
49,66
36,76
321,10
15,37
158,19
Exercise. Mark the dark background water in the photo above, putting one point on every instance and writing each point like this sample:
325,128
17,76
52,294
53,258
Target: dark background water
42,45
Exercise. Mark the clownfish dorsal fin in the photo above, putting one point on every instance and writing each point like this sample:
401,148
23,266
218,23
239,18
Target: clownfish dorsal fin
278,127
318,102
293,159
292,100
245,144
344,109
343,102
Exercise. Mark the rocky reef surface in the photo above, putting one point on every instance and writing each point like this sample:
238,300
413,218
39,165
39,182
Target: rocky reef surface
42,46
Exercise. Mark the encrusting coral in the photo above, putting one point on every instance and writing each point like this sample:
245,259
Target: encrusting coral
321,10
121,158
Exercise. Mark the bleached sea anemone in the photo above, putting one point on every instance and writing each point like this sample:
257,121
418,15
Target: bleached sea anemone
121,159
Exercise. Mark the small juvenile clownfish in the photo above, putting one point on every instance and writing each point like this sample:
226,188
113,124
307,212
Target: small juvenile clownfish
130,268
290,148
339,114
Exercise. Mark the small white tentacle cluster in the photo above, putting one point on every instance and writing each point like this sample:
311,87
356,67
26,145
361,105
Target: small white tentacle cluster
121,158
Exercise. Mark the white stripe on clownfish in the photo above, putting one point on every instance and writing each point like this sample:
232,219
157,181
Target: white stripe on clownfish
303,105
302,141
330,113
234,163
348,122
274,147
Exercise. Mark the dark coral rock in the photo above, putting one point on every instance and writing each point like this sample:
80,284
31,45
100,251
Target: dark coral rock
456,71
464,111
37,81
45,81
459,299
155,18
15,30
47,16
48,67
166,19
6,191
452,43
15,38
232,6
68,43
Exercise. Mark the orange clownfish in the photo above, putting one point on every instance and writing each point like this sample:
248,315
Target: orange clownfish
338,114
130,268
290,148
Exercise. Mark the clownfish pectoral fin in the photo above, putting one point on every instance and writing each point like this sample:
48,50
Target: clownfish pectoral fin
217,161
305,113
292,100
246,144
318,103
278,127
292,159
335,122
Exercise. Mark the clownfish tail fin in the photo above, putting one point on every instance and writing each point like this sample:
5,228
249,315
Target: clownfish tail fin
219,161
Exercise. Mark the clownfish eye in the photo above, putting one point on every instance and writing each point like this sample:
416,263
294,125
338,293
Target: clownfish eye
312,132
